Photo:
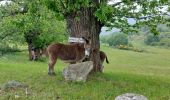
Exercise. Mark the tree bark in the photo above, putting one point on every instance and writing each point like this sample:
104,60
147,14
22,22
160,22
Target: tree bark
29,52
83,23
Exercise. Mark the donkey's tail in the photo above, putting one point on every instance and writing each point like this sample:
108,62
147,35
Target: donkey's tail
107,61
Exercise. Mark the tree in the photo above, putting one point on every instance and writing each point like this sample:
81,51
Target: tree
9,35
86,17
32,21
117,39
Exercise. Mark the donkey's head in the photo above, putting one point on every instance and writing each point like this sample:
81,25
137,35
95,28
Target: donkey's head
87,46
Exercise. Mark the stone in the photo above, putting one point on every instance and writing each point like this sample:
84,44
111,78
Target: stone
12,85
1,91
78,72
131,96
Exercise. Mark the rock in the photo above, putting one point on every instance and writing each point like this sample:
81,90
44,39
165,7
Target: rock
131,96
1,92
78,72
12,85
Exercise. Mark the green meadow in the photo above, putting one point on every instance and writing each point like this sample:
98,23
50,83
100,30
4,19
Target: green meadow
146,73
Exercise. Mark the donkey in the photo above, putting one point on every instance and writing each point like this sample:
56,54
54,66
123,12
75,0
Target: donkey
69,53
103,56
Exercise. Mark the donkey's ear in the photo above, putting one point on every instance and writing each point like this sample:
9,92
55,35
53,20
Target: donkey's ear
87,41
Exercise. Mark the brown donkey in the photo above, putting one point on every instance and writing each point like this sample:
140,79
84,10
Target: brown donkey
70,53
103,56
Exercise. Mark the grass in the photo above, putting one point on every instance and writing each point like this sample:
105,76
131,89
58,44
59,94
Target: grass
146,73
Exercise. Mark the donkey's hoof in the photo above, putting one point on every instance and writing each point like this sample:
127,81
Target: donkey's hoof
52,74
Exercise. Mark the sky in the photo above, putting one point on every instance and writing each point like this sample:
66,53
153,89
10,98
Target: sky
105,32
113,1
4,2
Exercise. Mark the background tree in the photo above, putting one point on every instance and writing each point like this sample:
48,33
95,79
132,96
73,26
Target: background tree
30,21
117,39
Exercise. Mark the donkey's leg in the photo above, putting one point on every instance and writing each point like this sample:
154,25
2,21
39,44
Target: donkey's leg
51,64
101,66
33,57
81,60
51,68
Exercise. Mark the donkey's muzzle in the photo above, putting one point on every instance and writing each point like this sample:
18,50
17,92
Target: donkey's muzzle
87,52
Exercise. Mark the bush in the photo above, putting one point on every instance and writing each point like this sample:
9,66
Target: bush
5,48
164,42
155,40
123,47
151,39
118,39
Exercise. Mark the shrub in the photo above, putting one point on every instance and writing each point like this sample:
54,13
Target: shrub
155,40
151,38
164,42
123,47
5,48
118,39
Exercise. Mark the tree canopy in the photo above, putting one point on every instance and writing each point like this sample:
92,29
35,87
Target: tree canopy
116,14
19,18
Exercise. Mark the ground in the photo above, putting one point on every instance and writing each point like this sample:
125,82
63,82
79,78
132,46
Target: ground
146,73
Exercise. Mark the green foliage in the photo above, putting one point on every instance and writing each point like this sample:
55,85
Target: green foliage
38,25
118,39
159,40
151,38
104,39
9,31
9,10
6,48
104,13
64,7
163,28
42,22
164,42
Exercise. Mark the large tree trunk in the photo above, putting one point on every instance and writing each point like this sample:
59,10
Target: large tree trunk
83,23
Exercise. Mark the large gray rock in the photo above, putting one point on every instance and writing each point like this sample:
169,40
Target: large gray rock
131,96
78,72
